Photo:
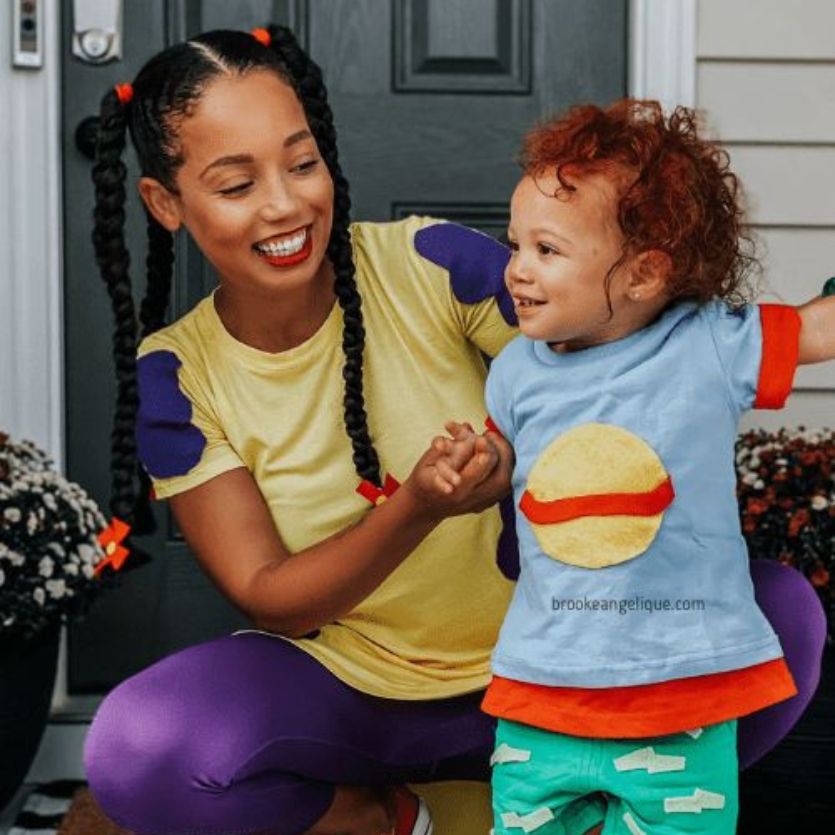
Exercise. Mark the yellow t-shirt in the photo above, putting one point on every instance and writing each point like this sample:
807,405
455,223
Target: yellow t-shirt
210,404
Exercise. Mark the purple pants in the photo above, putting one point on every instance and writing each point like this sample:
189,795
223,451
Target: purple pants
248,734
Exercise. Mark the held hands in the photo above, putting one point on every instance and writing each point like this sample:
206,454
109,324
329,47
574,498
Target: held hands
463,473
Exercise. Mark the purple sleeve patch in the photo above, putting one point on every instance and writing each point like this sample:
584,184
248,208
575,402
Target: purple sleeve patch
475,262
167,442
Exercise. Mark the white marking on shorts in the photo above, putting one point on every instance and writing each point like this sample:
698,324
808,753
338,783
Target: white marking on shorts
530,822
507,754
700,799
631,825
646,758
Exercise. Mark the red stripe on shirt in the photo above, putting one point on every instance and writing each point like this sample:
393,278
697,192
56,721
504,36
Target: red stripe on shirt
650,503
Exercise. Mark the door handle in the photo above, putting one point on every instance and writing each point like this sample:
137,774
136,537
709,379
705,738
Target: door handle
97,30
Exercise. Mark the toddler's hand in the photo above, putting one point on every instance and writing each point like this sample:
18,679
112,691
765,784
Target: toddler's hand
457,456
452,477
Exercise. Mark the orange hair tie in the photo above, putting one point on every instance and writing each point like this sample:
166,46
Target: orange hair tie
262,36
124,92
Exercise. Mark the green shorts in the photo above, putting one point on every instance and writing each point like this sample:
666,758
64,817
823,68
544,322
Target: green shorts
555,784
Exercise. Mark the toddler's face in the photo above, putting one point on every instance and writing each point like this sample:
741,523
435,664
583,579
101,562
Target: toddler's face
562,249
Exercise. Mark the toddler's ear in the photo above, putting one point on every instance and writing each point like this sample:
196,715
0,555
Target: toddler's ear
161,203
650,272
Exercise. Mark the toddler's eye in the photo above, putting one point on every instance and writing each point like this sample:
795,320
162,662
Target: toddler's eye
236,189
513,246
546,249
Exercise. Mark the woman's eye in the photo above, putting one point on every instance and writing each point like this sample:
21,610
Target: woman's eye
304,167
236,189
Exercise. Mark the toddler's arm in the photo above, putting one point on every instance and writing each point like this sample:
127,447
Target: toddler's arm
817,331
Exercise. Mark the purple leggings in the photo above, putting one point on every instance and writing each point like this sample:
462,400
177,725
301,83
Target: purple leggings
248,734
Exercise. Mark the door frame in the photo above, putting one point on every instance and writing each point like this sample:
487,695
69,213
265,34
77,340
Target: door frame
661,64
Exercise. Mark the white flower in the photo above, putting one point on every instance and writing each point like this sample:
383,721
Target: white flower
12,514
71,568
49,501
750,478
16,559
45,567
819,503
8,621
40,596
87,570
57,550
2,577
56,588
87,553
31,523
759,484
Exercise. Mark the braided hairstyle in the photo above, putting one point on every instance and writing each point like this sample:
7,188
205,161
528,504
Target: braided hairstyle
164,93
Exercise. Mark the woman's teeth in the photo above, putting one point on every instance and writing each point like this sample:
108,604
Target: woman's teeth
288,246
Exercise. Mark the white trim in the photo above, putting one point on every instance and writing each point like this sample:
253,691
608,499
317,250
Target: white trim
662,51
31,330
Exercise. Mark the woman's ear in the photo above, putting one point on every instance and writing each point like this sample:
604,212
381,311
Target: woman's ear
649,275
161,203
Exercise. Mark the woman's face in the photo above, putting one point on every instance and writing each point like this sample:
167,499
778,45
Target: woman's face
254,192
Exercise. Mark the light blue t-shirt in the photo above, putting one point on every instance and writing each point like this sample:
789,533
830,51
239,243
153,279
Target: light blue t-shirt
645,425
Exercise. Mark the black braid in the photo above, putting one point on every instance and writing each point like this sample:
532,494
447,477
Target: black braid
159,265
311,90
114,261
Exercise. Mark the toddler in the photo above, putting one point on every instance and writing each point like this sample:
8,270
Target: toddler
633,641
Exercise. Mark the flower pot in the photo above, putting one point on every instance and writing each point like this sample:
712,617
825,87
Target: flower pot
27,676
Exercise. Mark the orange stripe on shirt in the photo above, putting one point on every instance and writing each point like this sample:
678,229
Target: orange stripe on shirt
649,503
781,345
641,710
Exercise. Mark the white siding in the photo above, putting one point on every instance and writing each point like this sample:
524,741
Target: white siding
765,73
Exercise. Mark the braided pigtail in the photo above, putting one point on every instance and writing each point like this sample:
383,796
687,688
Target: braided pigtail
159,266
113,260
307,78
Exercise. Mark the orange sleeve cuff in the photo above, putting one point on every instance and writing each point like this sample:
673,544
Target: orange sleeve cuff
781,345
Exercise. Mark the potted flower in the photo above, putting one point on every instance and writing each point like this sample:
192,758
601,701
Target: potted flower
52,540
786,490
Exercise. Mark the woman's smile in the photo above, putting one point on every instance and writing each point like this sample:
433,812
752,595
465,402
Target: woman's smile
286,250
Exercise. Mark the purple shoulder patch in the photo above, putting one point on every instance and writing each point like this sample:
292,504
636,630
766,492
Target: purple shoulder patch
475,262
167,442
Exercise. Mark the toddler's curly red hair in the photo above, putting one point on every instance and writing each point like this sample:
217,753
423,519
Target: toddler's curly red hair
679,195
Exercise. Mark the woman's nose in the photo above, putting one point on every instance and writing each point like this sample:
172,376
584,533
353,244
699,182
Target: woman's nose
279,201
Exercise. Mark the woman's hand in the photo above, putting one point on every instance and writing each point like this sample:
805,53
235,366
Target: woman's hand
463,473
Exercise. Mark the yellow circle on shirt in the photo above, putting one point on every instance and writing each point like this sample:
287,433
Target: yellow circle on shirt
590,460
